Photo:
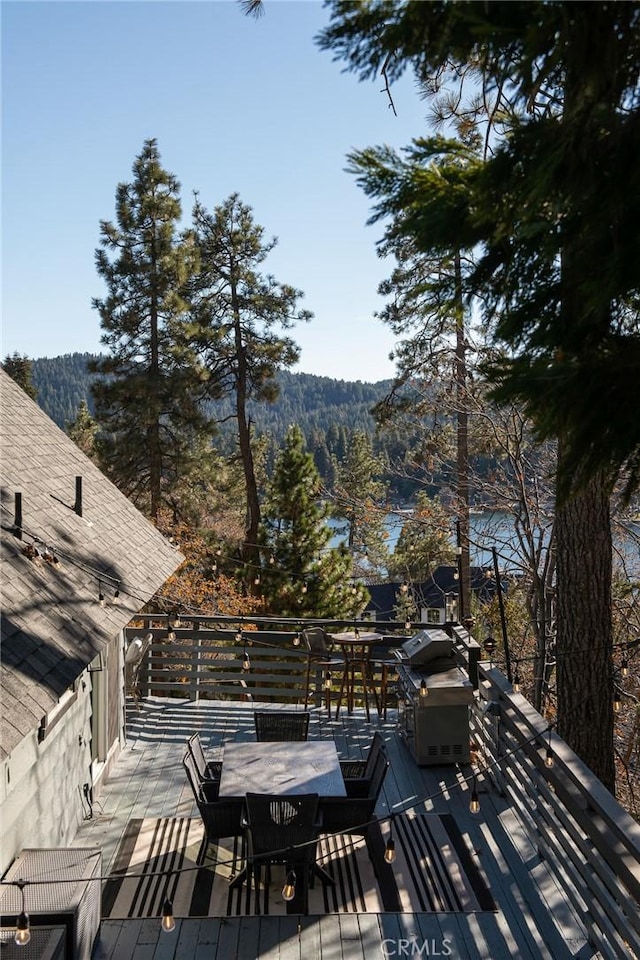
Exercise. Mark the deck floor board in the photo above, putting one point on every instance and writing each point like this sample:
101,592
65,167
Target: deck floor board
534,916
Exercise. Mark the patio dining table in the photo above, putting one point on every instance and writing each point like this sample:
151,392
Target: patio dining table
283,767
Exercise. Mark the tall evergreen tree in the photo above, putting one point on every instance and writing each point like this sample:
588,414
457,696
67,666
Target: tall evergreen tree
238,313
83,431
359,497
555,211
19,368
424,542
148,396
300,574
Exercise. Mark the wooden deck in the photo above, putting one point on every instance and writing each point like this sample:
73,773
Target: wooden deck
535,917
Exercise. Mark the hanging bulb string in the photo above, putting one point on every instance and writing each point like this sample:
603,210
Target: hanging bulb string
347,844
474,776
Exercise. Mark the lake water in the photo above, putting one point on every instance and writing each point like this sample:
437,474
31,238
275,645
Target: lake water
490,529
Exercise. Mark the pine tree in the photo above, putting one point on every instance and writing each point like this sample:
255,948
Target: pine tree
19,369
359,497
424,542
83,431
148,397
237,314
300,575
553,212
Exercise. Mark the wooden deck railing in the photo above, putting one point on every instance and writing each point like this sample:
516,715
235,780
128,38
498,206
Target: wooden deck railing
592,844
205,657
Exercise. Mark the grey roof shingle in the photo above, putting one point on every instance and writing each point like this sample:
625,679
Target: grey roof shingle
52,624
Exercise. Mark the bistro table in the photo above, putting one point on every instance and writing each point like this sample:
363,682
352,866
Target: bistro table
283,767
356,652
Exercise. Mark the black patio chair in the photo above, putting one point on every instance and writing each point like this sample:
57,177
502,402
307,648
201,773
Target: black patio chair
207,769
319,657
282,829
220,818
357,774
353,815
281,724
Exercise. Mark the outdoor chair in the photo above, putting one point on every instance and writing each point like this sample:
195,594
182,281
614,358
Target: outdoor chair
220,818
353,815
282,829
320,658
281,724
133,660
207,769
207,789
357,774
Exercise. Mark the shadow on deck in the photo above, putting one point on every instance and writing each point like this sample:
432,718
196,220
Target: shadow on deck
535,916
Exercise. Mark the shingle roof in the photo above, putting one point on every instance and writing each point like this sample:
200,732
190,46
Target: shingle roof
52,624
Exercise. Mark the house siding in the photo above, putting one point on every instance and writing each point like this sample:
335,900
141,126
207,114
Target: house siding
42,800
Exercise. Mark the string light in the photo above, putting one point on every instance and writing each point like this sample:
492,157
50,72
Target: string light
168,923
624,667
390,848
474,803
327,680
548,758
100,594
23,933
289,889
617,701
296,638
246,662
517,682
424,690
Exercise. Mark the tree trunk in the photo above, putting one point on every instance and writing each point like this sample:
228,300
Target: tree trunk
153,428
462,492
250,554
585,637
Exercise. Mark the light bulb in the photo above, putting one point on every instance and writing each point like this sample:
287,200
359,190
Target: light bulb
246,663
616,702
327,681
296,639
23,933
474,804
516,683
424,691
548,759
289,889
168,920
390,851
624,668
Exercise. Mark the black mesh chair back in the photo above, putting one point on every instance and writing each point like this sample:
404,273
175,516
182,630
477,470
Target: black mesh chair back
281,829
207,769
377,747
202,789
353,814
357,773
220,818
315,640
281,724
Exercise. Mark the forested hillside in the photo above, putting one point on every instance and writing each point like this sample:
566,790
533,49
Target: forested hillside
327,411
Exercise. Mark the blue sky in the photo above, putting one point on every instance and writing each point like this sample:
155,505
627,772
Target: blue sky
236,105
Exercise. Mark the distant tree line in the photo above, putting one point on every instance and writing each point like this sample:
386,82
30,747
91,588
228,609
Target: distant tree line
327,411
